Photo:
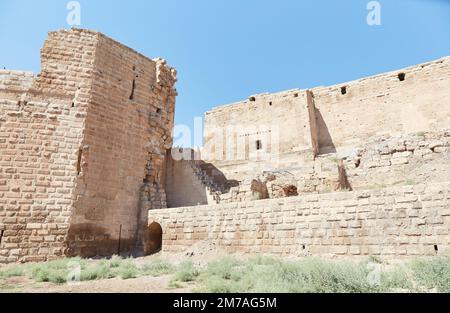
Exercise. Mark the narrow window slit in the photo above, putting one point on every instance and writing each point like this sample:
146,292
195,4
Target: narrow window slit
80,156
133,86
120,239
344,90
258,145
436,248
1,236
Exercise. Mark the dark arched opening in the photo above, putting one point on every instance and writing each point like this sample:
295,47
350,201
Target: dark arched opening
290,191
155,233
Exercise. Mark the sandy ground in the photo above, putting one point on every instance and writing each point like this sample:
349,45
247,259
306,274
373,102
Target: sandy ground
200,255
116,285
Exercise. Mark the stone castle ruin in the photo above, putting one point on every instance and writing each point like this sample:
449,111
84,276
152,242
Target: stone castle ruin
87,166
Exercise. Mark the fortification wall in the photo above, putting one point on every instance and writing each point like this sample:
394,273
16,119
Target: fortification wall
393,222
127,131
384,105
183,187
82,149
306,123
406,159
12,82
41,123
269,130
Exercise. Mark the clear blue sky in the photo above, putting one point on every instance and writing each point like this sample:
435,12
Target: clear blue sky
226,50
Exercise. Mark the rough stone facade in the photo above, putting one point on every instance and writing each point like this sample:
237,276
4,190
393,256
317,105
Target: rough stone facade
386,130
294,126
392,222
87,166
82,149
382,143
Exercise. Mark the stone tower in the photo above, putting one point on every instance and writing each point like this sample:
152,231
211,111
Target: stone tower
82,149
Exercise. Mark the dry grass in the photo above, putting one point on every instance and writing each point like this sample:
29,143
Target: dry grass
257,274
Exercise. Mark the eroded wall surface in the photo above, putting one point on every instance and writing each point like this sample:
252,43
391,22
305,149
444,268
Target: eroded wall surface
392,222
127,131
41,125
83,149
302,124
183,187
384,105
265,131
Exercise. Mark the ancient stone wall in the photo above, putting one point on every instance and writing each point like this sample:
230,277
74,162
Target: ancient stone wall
406,159
41,123
265,131
183,187
401,102
302,124
127,131
383,161
15,81
83,149
392,222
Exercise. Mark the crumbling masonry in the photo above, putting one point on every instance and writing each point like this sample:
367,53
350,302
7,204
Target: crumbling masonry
82,148
87,166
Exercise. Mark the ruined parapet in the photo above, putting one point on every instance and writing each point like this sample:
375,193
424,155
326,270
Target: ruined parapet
270,131
83,155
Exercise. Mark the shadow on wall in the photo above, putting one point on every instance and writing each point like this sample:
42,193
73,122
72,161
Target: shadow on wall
183,188
192,182
326,144
216,177
91,240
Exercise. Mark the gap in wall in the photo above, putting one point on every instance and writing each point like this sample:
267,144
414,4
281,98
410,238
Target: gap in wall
80,156
133,86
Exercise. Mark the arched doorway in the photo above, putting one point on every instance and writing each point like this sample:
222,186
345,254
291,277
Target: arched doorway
155,233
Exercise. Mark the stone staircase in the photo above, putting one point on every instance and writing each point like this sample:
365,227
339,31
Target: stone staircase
208,176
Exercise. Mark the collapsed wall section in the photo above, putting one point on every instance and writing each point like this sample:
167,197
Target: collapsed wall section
394,222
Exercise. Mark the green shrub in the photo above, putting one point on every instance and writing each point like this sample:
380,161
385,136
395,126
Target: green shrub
97,271
15,271
128,269
186,272
53,271
433,273
226,268
157,268
116,261
265,274
56,276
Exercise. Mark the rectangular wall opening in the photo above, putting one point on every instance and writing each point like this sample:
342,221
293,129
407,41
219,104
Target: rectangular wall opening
80,156
258,145
133,86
